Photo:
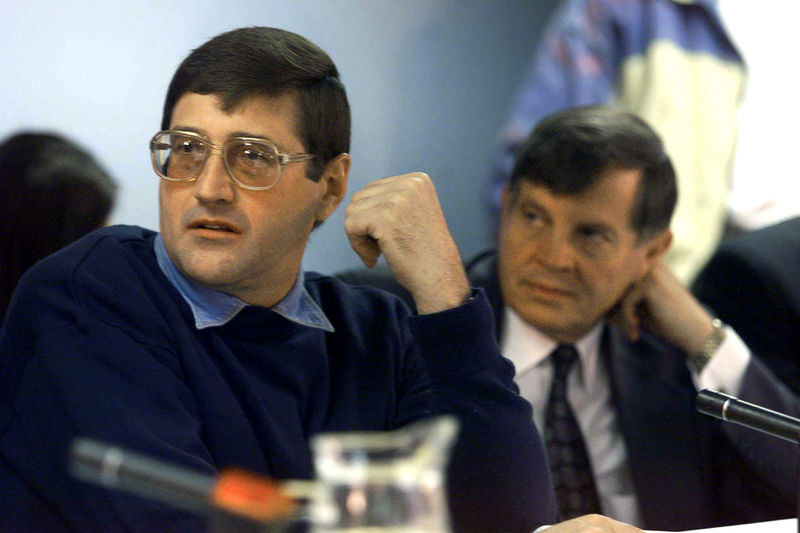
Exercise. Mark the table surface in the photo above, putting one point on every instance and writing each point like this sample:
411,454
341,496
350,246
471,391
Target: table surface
788,525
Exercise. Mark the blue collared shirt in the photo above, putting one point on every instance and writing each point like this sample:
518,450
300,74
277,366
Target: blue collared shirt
213,308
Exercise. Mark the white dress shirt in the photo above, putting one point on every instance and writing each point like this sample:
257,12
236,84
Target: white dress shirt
589,395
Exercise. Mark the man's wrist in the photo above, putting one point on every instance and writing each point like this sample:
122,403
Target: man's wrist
469,297
699,359
438,304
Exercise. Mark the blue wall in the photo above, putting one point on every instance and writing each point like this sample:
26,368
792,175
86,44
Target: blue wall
429,82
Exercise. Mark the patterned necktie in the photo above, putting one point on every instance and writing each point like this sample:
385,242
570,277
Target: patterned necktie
569,463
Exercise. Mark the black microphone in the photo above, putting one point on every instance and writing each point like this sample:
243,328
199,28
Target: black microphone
732,409
235,500
117,468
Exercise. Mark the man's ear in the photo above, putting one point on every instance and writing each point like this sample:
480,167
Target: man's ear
334,179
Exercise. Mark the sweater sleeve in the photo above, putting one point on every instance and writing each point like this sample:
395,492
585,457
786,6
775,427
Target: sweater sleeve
498,479
92,380
67,371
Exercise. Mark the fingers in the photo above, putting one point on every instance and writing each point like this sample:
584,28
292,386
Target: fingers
366,247
646,304
627,313
593,523
389,211
662,305
400,217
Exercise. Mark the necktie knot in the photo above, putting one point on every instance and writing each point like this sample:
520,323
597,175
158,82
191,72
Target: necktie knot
563,357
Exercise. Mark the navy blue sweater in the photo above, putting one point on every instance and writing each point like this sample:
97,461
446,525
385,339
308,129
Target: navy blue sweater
98,343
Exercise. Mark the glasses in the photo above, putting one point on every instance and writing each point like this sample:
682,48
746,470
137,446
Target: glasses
252,163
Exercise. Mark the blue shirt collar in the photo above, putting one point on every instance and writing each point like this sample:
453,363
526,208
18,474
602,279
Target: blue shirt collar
213,308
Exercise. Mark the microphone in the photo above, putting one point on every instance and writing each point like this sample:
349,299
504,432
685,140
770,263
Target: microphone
730,409
236,493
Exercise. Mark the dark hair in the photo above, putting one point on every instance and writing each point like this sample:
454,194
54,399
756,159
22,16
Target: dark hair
569,150
51,192
260,61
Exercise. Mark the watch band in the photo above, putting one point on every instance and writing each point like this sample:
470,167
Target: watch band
699,359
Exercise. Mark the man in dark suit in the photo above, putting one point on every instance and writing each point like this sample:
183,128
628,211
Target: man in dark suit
584,225
752,282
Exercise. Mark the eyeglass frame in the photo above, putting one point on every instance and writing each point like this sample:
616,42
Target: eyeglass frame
282,158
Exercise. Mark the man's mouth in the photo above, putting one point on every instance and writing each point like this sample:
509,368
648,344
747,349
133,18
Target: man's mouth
548,289
214,226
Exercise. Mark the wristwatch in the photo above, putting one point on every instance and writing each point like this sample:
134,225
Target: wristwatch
699,359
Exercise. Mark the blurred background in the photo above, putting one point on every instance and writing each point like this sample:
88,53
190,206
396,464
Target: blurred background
429,82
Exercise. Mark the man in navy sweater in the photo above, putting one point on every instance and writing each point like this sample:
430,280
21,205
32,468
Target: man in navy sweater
207,346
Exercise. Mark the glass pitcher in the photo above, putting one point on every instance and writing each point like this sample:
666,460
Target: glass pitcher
383,481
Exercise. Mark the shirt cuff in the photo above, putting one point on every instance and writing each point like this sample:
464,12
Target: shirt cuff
725,370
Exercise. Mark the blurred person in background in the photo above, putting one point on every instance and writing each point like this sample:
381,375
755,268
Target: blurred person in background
752,283
51,192
674,64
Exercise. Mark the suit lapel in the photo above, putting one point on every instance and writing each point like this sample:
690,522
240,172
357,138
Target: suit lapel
654,397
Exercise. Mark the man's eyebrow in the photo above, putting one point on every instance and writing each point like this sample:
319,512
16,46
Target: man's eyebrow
236,134
232,135
595,224
530,203
248,134
189,129
598,226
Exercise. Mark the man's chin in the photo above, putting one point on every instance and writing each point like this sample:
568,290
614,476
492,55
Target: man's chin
211,274
553,322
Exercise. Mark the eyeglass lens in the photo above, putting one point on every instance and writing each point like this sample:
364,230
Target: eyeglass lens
182,157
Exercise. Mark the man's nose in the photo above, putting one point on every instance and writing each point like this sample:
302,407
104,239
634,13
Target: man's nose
555,251
214,184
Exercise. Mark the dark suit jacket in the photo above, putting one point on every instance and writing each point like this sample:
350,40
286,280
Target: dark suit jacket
752,282
690,470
